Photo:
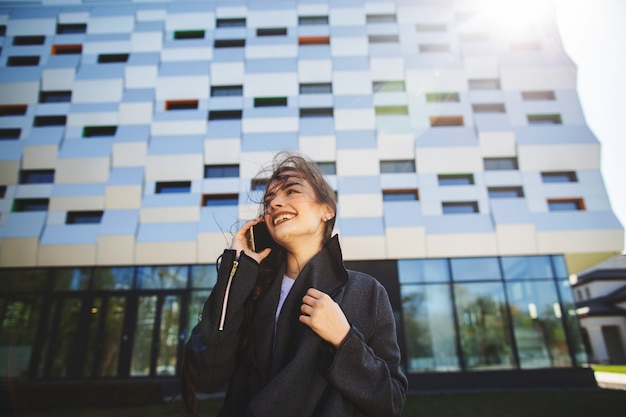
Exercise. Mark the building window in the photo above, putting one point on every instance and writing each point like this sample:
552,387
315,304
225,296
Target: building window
395,167
3,191
388,86
259,184
505,192
229,43
10,133
270,102
538,95
28,40
430,27
13,110
391,110
484,84
313,40
112,58
41,121
443,121
71,28
188,34
3,30
316,112
499,164
83,217
434,48
218,200
566,204
400,195
99,131
37,176
459,207
383,39
181,105
443,97
226,90
544,119
30,204
588,292
69,49
171,187
489,108
380,18
225,115
455,179
312,20
238,22
328,168
221,171
23,61
55,96
316,88
271,32
560,176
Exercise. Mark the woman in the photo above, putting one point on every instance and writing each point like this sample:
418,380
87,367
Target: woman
288,329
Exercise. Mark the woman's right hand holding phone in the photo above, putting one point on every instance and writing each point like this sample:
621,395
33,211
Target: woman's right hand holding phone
242,242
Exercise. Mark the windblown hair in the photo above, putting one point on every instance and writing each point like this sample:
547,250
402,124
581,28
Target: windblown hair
284,162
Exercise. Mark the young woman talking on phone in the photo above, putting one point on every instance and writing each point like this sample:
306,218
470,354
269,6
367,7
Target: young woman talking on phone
288,330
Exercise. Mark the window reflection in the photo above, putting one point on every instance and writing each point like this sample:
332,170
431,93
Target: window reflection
168,335
526,267
71,279
203,276
572,323
142,347
195,309
19,316
466,269
423,270
537,324
162,277
113,278
429,328
483,324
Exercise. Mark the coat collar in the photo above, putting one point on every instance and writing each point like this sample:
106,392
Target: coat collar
325,271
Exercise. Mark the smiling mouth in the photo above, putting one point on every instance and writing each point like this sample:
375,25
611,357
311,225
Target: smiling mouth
281,218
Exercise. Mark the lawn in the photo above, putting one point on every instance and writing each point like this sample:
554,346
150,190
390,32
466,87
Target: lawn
480,404
618,369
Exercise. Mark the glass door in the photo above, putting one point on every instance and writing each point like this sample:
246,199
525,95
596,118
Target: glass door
105,336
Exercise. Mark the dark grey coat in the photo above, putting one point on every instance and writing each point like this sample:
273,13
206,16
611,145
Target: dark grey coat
305,376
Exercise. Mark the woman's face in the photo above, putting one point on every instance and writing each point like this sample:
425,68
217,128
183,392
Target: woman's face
292,211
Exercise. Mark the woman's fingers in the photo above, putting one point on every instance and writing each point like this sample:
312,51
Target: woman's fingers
324,316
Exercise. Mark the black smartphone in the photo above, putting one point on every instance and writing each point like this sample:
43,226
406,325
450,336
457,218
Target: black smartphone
260,237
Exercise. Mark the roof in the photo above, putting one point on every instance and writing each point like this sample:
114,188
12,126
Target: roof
610,269
604,306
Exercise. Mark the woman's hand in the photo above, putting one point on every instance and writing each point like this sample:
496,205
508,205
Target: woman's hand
241,242
324,316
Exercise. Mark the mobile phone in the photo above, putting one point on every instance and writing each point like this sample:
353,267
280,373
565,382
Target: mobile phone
260,237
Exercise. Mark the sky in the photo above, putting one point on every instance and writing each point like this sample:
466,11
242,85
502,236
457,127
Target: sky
594,36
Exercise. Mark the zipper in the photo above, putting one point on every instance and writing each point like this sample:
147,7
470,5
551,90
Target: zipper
227,293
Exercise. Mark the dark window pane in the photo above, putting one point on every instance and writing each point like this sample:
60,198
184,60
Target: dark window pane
226,90
429,328
28,40
37,176
316,88
10,133
112,58
231,23
162,277
41,121
66,49
71,279
544,119
3,191
270,102
173,187
83,217
462,207
387,167
380,18
317,112
219,200
455,179
221,171
566,204
188,34
225,115
229,43
119,278
400,195
71,28
13,110
203,276
181,105
97,131
495,164
271,32
30,204
22,61
565,176
312,20
483,326
505,192
55,96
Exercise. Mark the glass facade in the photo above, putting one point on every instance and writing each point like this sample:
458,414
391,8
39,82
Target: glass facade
454,315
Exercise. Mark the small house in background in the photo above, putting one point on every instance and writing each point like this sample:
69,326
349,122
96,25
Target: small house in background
600,294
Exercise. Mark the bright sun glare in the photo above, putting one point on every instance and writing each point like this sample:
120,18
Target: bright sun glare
514,17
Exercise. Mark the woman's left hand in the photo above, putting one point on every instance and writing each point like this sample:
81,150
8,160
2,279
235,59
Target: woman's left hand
324,316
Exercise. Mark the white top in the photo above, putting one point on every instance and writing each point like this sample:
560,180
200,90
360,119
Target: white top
284,291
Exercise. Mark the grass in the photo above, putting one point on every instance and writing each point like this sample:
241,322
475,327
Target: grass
618,369
480,404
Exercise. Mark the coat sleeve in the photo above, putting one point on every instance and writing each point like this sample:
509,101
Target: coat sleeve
211,351
369,373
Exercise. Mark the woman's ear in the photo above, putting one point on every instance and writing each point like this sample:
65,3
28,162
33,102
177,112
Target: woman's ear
329,213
